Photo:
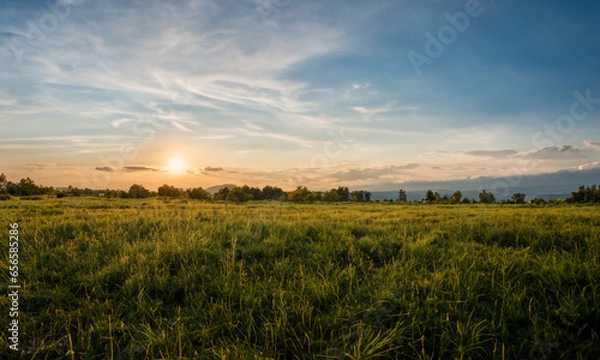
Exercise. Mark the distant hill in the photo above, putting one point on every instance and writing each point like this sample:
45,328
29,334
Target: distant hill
558,185
214,189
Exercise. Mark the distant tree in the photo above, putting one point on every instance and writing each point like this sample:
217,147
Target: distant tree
455,198
361,196
343,193
273,193
137,191
237,194
255,192
169,191
465,200
221,194
331,196
486,197
402,197
358,196
538,201
429,196
3,183
301,194
518,198
554,201
198,194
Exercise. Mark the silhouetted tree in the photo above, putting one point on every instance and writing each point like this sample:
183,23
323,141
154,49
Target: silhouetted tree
198,194
361,196
518,198
221,194
301,194
429,196
238,194
137,191
402,197
273,193
455,198
169,191
486,197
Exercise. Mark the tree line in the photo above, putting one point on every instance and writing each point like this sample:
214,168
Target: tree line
27,187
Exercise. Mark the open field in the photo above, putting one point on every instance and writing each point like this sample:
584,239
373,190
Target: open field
179,279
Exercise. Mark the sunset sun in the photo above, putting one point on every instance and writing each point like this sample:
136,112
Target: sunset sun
176,165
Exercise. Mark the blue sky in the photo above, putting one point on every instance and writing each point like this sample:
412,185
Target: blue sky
290,92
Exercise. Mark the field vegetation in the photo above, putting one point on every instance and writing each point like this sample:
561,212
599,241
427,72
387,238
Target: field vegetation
164,278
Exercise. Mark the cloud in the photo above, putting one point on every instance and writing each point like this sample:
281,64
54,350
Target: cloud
117,123
593,165
553,152
213,169
593,144
478,153
105,168
138,168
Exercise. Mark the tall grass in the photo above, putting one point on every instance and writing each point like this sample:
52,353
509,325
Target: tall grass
136,279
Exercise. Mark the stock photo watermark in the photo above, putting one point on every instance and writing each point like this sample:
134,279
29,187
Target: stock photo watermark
37,31
13,287
446,35
332,149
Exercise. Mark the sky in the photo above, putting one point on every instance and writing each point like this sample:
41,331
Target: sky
365,94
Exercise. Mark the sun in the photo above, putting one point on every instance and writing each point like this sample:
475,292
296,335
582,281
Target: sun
176,165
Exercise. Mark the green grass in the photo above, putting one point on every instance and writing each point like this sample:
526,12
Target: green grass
151,278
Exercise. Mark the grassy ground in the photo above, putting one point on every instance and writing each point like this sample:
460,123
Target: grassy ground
152,278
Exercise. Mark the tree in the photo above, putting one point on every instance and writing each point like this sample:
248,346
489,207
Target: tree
137,191
301,194
331,196
486,197
429,196
169,191
455,198
273,193
198,194
221,194
238,194
402,197
518,198
2,183
255,192
361,196
343,193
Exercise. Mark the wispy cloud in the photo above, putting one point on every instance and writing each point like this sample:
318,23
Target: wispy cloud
553,152
593,144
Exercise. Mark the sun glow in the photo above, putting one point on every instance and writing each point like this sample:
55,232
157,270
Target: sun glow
176,165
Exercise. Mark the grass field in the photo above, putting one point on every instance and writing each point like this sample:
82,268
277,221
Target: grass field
179,279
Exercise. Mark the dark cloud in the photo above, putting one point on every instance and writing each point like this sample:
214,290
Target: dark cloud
209,168
553,152
138,168
106,168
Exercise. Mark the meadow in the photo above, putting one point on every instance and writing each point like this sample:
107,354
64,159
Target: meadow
183,279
